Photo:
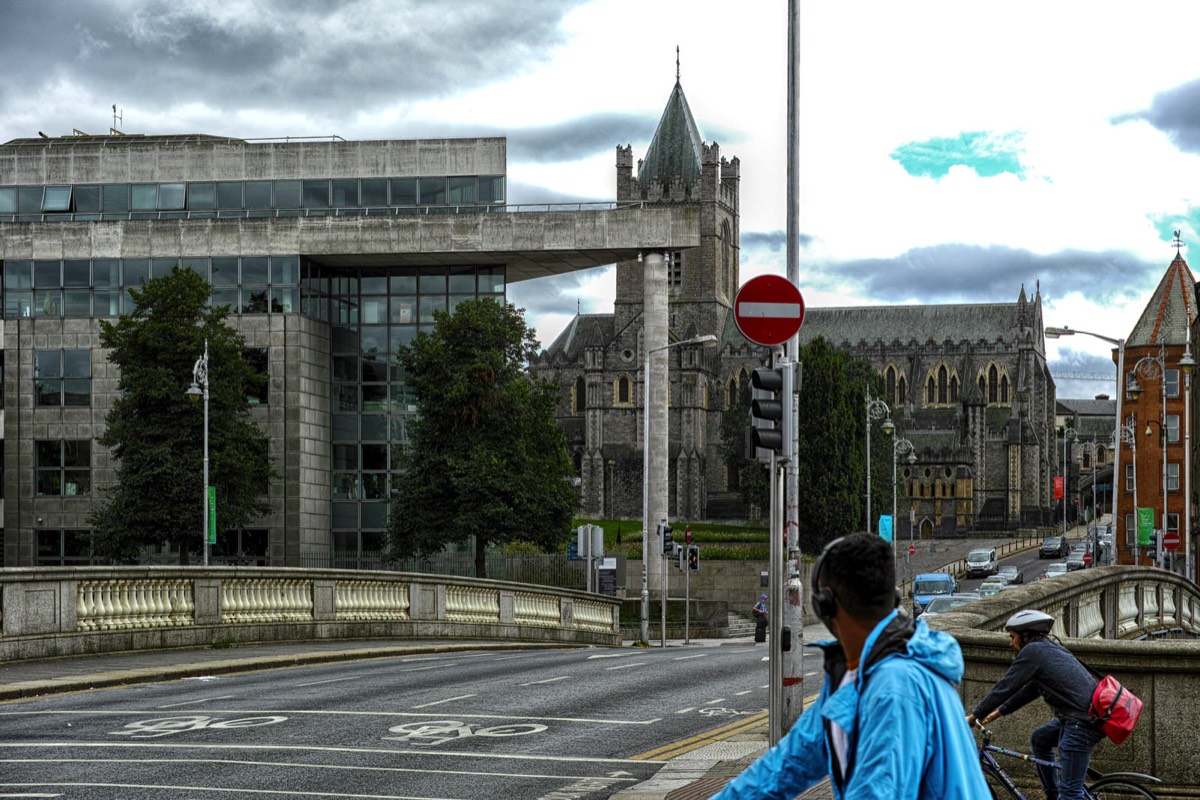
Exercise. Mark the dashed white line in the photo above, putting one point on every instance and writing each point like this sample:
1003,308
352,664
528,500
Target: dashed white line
193,702
714,702
685,710
548,680
748,691
627,666
685,658
331,680
447,700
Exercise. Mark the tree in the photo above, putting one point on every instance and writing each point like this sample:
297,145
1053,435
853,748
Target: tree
156,434
484,457
831,462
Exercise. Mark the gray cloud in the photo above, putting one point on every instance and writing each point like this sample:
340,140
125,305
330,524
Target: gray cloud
1071,367
1175,112
333,60
966,273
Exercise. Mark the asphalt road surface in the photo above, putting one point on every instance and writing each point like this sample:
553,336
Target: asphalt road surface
571,723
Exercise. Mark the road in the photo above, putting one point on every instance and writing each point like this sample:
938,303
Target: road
571,723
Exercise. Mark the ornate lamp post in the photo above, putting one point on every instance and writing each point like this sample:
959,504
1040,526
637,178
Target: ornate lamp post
1154,368
877,410
1128,434
198,390
1069,434
1089,448
899,447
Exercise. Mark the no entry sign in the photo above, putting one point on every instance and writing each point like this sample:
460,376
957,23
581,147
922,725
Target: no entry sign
1170,540
768,310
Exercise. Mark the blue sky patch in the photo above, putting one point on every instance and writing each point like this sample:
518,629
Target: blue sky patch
988,153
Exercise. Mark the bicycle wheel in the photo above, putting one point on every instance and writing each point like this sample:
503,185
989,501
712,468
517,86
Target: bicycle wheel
1117,789
999,789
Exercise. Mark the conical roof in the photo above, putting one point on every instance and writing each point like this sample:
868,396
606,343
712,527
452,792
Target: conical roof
1170,311
676,151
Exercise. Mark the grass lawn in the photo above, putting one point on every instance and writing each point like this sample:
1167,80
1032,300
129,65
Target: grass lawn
715,540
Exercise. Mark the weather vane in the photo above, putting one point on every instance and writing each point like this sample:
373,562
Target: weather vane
677,63
1178,243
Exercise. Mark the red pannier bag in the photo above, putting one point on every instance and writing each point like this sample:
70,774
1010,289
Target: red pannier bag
1116,709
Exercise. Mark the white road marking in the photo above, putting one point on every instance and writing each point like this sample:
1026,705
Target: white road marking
765,658
422,669
764,686
30,795
294,765
714,702
685,710
610,655
311,713
748,691
316,749
685,658
447,700
627,666
213,789
548,680
193,702
331,680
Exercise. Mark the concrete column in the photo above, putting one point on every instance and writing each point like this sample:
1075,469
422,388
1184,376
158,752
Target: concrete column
654,335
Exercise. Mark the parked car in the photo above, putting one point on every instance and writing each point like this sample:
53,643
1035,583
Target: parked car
1010,574
1054,547
981,562
946,603
1057,568
928,586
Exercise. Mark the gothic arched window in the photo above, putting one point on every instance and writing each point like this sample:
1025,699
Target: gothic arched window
890,379
624,394
1004,389
993,389
580,397
954,389
941,384
930,391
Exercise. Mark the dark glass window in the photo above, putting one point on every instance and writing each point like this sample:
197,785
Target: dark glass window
135,272
201,196
87,199
170,196
29,199
63,467
316,194
76,272
229,194
258,392
433,191
63,378
225,271
491,189
8,200
373,192
145,196
115,197
258,194
254,271
285,270
404,191
57,198
287,194
462,191
345,193
47,274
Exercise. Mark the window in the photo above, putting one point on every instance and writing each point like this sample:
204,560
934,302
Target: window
1004,389
1173,522
257,391
993,385
675,268
57,548
57,198
580,396
432,191
1172,428
901,390
889,377
624,393
462,191
954,389
1129,477
1172,477
63,378
930,391
941,385
63,467
1130,531
1171,382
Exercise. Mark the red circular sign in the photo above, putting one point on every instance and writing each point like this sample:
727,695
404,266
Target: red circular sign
1171,540
912,549
768,310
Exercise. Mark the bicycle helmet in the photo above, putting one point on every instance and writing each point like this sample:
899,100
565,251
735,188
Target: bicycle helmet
1029,620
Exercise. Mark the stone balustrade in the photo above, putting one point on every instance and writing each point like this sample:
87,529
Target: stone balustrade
59,611
1139,624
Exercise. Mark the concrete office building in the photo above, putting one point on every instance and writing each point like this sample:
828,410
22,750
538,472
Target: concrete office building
330,253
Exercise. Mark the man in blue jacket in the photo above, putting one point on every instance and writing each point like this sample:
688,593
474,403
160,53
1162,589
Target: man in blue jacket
888,723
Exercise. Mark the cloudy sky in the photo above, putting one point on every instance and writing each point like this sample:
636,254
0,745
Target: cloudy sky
949,152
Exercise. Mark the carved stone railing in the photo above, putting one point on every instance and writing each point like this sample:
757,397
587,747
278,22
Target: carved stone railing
60,611
1141,625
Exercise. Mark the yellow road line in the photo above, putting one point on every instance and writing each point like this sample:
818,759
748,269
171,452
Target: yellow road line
669,751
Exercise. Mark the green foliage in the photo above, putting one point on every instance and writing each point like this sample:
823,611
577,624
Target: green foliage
485,457
156,434
831,468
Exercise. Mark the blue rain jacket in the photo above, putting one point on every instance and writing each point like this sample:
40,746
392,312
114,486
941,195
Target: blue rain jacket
907,729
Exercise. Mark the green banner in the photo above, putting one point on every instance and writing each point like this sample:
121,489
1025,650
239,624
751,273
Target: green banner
1145,526
212,515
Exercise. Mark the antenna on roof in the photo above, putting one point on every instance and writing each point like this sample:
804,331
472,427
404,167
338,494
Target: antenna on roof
677,63
117,119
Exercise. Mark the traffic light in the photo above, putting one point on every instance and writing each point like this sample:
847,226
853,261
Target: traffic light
693,558
771,410
668,542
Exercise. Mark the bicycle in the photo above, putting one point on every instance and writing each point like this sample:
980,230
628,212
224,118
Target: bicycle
1102,786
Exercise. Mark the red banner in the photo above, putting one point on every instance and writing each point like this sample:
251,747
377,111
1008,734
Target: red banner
1058,487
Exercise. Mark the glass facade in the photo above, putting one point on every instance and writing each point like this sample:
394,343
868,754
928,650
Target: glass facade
229,199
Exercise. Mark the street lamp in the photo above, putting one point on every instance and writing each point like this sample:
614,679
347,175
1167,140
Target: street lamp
1128,435
1155,368
876,410
1187,364
900,447
645,620
1054,333
1089,447
1069,434
198,390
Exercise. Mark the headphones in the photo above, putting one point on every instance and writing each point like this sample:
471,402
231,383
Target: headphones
823,602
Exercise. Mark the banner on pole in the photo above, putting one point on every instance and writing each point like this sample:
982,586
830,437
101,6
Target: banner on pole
1058,487
1145,526
212,515
885,527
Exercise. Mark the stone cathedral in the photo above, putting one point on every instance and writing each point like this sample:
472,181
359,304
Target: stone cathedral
967,384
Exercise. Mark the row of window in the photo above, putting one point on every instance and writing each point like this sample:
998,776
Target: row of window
244,198
114,273
1131,539
1172,478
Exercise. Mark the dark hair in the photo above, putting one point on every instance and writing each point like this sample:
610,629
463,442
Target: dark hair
861,571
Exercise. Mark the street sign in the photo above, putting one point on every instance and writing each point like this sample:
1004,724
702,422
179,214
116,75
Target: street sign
1170,540
912,549
768,310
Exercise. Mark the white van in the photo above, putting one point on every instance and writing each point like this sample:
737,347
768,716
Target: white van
982,562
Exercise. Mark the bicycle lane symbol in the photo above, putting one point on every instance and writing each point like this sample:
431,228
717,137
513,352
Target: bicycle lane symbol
433,733
727,712
169,726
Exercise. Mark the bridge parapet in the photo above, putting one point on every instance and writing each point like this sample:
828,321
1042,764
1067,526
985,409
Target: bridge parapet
1138,624
58,611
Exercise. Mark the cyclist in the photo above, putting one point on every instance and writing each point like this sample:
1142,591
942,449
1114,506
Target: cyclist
1045,667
